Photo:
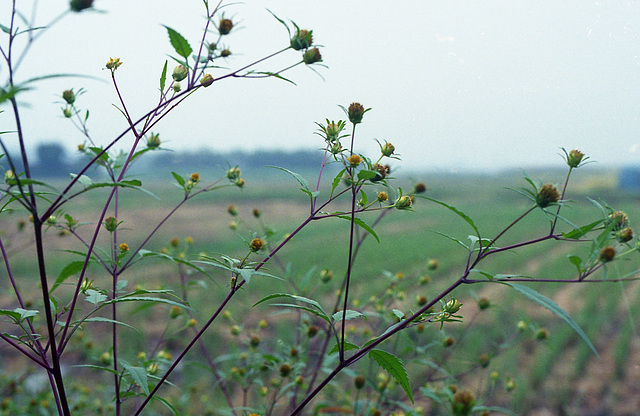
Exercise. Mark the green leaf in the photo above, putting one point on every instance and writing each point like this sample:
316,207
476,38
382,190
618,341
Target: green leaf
311,302
111,321
179,43
336,180
361,224
347,346
577,261
364,175
394,366
178,179
95,297
582,231
69,270
457,212
337,317
298,177
163,77
139,375
18,314
553,307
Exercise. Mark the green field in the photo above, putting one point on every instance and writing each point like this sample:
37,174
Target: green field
501,364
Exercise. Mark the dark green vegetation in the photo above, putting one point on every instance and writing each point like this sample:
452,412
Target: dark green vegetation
513,354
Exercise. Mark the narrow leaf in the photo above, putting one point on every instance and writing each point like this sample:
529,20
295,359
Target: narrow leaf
553,307
361,224
69,270
394,366
163,77
298,177
457,212
347,346
337,317
139,375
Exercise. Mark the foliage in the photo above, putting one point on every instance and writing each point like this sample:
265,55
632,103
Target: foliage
88,310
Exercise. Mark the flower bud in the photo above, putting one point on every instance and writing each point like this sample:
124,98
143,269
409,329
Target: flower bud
225,52
302,39
105,358
522,326
235,330
80,5
256,212
452,306
607,254
10,177
359,382
206,80
255,340
335,148
463,402
176,87
69,96
326,275
382,196
448,341
153,141
387,149
152,368
312,331
256,244
312,56
285,369
419,188
542,333
124,247
232,210
67,112
175,311
179,73
233,173
404,202
111,223
620,219
484,360
333,130
625,235
225,26
355,112
483,303
574,158
240,182
547,195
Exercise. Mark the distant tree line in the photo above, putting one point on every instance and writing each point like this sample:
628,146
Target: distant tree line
54,161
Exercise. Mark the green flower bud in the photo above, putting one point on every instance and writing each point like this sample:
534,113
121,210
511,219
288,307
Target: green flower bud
404,202
206,80
359,382
285,369
233,173
542,334
67,112
574,158
483,303
110,224
256,244
387,149
153,141
463,402
179,73
625,235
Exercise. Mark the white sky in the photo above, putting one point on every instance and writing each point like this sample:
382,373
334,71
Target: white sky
453,84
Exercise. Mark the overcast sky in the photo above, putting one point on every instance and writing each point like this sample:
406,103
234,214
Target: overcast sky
479,84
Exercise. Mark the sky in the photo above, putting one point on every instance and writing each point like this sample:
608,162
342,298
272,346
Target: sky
454,85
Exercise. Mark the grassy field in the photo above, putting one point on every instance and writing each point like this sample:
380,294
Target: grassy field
495,352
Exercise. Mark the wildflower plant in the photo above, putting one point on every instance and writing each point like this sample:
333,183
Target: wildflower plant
81,313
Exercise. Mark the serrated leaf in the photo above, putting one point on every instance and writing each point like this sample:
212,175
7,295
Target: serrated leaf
163,77
553,307
336,180
364,175
394,366
69,270
178,179
304,308
139,375
350,314
111,321
179,43
297,176
485,274
347,346
95,297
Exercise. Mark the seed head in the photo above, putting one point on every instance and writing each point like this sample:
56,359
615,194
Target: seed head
312,56
69,96
256,212
174,242
620,219
232,210
355,112
285,369
542,333
303,39
255,340
448,341
381,172
607,254
180,72
225,53
312,331
359,382
547,195
484,360
225,26
80,5
419,188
